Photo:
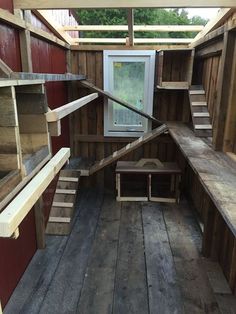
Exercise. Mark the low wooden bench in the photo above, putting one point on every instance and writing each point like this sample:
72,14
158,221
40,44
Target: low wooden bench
149,168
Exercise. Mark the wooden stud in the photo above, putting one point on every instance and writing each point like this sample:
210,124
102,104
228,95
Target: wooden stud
25,48
59,219
40,223
131,26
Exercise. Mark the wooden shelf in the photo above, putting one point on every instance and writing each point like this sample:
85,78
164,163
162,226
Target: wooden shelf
174,68
24,137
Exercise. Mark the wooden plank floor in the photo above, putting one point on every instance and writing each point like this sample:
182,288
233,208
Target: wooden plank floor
122,258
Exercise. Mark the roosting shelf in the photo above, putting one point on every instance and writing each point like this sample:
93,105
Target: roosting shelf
174,68
24,133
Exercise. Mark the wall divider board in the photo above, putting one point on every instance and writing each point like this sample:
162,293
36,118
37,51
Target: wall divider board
24,137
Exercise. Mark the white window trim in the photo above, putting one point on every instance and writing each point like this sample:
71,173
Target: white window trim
151,55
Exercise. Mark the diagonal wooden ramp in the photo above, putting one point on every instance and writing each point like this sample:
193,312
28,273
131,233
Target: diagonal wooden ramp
123,103
128,148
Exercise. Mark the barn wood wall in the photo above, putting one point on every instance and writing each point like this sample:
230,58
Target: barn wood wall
87,123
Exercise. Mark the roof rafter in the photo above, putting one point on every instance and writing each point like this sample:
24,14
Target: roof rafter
72,4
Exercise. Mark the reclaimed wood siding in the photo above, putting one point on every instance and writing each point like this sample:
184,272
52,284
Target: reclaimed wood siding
87,126
218,242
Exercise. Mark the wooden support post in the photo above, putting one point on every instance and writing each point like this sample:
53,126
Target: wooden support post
131,26
39,223
224,86
25,49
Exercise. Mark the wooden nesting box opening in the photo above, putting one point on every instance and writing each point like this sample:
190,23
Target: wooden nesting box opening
174,68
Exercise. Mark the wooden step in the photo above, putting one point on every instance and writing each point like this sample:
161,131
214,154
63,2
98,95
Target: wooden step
201,114
128,148
199,103
197,92
203,127
65,191
60,219
62,204
68,179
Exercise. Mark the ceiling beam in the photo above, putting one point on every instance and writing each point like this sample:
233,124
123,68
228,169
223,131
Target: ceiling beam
48,19
136,40
73,4
137,28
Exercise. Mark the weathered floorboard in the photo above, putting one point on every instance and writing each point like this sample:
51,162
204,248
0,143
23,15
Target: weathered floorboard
97,293
65,288
163,290
130,284
197,294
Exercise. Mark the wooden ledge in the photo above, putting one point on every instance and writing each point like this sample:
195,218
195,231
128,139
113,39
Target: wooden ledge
215,172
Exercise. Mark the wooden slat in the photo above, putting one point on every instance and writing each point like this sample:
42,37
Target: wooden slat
201,114
199,103
68,179
46,76
15,212
62,204
203,127
163,289
63,111
125,150
136,40
71,4
117,100
197,92
130,19
137,28
65,191
59,219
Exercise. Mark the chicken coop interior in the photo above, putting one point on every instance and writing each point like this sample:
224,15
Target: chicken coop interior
117,160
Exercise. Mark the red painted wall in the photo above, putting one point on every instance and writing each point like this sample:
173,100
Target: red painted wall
47,58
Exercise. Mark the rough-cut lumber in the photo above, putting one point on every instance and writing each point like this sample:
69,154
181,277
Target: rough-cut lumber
123,47
222,15
61,112
118,100
137,28
136,40
72,4
128,148
39,223
48,19
130,18
15,212
47,76
54,128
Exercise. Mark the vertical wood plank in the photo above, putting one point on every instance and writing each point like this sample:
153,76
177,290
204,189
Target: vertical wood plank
39,223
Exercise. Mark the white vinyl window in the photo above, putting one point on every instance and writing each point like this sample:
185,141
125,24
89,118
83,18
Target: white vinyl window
128,75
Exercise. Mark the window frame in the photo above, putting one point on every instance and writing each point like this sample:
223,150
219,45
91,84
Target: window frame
110,56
